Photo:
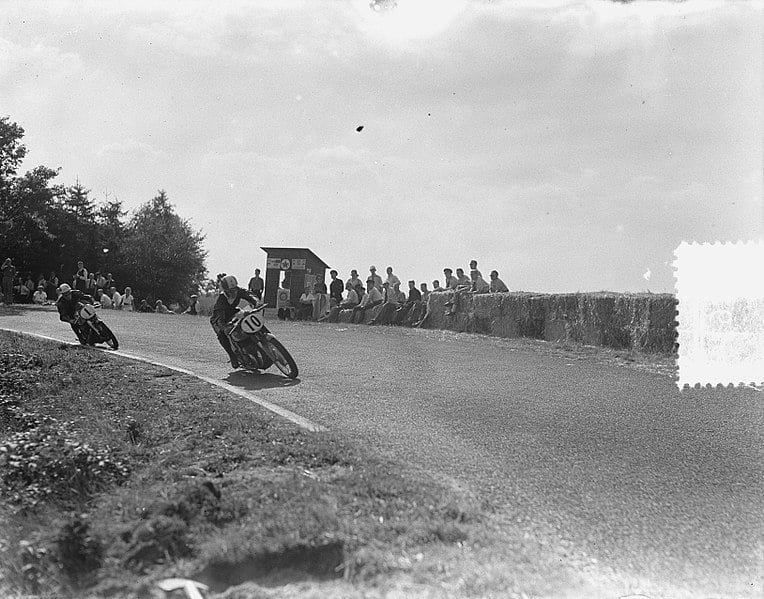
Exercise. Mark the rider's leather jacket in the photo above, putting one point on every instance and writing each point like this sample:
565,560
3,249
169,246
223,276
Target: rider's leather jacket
67,308
224,309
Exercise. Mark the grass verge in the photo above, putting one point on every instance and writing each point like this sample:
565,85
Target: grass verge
115,474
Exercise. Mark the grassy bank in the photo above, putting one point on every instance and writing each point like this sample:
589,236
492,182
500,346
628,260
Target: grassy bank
115,474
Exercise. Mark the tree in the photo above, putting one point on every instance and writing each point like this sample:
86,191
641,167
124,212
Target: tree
162,252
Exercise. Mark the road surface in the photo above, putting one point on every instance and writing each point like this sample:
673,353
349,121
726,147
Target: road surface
656,483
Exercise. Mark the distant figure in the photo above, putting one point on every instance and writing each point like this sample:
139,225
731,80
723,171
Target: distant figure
306,304
462,279
160,308
193,306
256,285
9,276
128,301
40,297
497,285
392,279
320,299
451,282
351,301
51,286
410,311
117,301
144,306
282,302
372,298
394,299
81,277
479,284
375,277
354,280
435,285
104,298
335,289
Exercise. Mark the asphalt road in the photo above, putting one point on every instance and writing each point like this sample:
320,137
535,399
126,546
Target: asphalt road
656,483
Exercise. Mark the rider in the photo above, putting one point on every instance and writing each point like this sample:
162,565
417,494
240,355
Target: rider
224,309
67,306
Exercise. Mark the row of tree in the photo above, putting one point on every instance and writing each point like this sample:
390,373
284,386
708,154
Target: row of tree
48,227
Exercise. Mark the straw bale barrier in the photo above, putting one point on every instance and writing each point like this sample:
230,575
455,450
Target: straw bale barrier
639,321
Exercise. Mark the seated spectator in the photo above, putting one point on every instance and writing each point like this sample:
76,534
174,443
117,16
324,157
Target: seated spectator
394,298
372,298
417,314
462,280
479,284
40,297
351,301
473,266
451,281
117,301
435,285
160,308
24,292
497,285
104,299
305,310
144,306
128,301
335,289
354,280
320,299
410,311
193,306
392,279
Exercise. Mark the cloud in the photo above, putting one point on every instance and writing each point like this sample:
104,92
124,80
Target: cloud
130,149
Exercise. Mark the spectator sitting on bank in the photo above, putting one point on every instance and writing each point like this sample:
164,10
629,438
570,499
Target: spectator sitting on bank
375,277
335,289
463,284
372,298
305,310
24,292
193,309
320,299
417,314
451,282
117,301
40,297
410,311
144,307
462,279
160,308
351,301
128,301
392,279
354,280
497,285
473,266
104,299
393,299
479,284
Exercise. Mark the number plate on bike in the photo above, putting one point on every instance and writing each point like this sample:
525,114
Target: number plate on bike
252,323
87,312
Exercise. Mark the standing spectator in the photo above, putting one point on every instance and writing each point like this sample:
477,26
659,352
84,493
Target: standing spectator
354,280
51,286
81,277
109,282
375,277
100,282
39,296
117,301
372,298
128,301
392,279
497,285
256,285
351,301
193,307
335,289
9,276
473,266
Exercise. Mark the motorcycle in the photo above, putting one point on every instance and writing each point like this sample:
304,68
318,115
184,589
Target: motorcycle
92,329
255,346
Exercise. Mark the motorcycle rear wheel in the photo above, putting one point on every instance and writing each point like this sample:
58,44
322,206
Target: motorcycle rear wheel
282,358
107,336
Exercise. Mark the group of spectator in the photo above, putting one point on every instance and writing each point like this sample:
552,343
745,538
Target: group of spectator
398,307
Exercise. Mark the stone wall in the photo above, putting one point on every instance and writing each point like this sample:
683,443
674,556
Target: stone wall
643,321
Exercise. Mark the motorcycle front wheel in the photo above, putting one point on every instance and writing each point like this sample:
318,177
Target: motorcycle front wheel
107,336
282,358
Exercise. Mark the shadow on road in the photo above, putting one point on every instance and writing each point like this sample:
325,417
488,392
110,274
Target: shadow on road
252,382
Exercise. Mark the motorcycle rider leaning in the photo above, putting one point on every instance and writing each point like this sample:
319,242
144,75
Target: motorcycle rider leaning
66,304
224,309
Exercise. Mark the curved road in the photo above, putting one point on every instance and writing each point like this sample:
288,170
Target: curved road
658,484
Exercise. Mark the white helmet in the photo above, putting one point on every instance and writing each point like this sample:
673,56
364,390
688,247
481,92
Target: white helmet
228,282
64,288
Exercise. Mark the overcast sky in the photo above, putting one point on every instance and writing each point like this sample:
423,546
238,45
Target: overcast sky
569,145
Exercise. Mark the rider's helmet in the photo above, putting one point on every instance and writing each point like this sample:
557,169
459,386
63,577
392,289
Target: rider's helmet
64,288
228,283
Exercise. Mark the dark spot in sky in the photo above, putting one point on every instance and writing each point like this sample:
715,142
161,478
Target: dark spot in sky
428,114
359,128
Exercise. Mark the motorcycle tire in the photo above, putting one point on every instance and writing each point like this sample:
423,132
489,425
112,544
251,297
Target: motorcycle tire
282,358
107,336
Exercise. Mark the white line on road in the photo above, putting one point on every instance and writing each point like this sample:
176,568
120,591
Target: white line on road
283,412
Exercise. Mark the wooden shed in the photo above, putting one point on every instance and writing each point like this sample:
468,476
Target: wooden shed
298,266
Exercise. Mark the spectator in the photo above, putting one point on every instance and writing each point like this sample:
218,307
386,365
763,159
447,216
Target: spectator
144,306
39,296
306,304
90,284
479,284
497,285
410,311
473,266
104,298
372,298
436,286
100,281
256,285
128,301
417,315
351,301
354,280
284,307
117,301
41,280
335,289
81,277
360,292
160,308
320,299
462,279
25,293
375,277
394,299
392,279
109,282
463,284
51,286
193,309
451,281
9,276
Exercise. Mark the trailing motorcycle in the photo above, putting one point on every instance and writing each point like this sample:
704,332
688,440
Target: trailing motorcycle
91,329
255,346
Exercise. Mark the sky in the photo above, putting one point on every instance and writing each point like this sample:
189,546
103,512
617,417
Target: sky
570,145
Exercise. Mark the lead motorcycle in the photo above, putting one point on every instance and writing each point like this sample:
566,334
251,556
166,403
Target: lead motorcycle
255,346
92,329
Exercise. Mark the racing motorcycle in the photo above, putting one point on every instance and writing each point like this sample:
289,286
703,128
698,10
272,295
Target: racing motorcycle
255,346
92,329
